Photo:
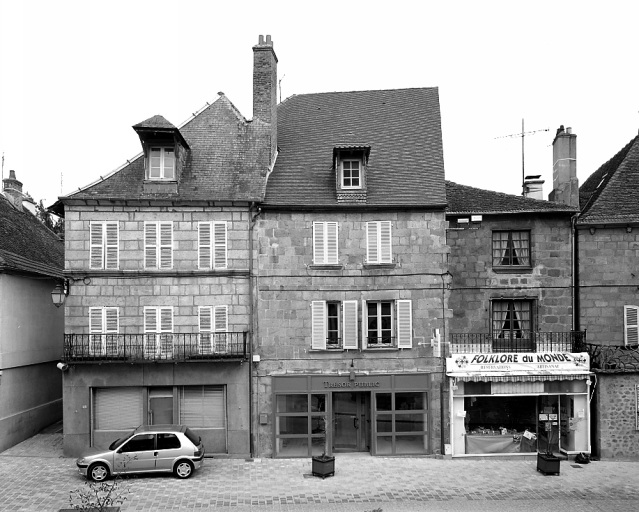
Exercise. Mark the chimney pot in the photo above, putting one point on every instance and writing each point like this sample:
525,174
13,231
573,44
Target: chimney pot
261,40
268,40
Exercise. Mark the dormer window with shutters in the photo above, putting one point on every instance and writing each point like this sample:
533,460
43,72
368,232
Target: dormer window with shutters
164,150
104,242
350,163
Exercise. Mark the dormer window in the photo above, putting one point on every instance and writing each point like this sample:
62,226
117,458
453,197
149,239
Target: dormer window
351,173
161,163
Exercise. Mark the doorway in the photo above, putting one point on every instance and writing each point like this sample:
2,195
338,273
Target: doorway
351,421
161,406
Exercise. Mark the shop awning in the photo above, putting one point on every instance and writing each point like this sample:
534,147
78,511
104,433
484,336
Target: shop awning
491,377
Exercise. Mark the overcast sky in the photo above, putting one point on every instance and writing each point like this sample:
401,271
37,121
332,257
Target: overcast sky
76,75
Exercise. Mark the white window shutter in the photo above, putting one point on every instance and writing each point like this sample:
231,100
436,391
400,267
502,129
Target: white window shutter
331,243
221,252
404,324
150,330
372,254
364,324
166,327
204,245
166,244
631,325
318,243
111,245
206,326
95,320
385,246
150,245
96,245
221,318
349,324
318,324
96,328
112,327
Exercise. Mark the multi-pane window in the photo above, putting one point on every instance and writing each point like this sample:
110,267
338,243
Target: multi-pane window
388,324
213,321
212,245
512,319
103,328
325,243
511,248
334,324
161,163
158,245
104,245
158,332
378,242
351,174
631,325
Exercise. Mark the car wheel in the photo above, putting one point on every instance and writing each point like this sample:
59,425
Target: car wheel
98,472
183,469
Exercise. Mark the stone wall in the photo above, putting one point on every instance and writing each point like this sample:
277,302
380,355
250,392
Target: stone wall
608,280
615,434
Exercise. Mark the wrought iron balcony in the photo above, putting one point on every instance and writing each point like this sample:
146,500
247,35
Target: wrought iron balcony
523,341
161,347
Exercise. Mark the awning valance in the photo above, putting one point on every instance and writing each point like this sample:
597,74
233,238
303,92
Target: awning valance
517,378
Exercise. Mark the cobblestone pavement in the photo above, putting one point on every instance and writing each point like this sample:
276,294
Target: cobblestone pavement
34,476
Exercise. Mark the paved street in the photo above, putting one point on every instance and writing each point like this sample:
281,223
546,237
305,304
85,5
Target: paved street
34,476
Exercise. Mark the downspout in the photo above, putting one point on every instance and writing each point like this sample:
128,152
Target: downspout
576,304
444,380
252,320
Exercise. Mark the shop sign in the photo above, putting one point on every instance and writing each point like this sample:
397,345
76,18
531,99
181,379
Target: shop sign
529,363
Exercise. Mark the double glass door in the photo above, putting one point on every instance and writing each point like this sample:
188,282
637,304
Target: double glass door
351,420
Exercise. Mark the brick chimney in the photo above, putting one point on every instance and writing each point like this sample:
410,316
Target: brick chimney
265,88
12,189
564,169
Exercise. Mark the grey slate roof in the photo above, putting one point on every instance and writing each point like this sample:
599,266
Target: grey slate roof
26,245
157,121
401,126
227,161
465,200
611,194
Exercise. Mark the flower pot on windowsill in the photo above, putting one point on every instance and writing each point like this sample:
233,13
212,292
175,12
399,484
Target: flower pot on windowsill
548,464
323,466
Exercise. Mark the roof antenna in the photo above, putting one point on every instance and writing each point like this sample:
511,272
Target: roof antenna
279,82
523,135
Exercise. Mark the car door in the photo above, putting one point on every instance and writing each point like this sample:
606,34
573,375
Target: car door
137,455
168,449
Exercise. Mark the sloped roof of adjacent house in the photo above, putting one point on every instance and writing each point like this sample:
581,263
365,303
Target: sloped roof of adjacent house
465,200
611,194
402,127
26,245
227,161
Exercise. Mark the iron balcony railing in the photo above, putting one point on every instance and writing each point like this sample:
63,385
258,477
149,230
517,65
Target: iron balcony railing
167,347
467,343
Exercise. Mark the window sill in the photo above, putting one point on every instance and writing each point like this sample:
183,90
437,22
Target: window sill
513,270
326,266
373,266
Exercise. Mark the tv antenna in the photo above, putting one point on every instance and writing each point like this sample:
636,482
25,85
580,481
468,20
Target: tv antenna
523,134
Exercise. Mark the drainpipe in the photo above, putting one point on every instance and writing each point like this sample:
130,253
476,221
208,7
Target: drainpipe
252,320
444,380
576,320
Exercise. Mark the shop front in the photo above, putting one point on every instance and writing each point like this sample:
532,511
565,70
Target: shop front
379,414
519,403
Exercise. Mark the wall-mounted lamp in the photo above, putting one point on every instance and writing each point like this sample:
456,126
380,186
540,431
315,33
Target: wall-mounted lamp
60,293
351,375
592,231
628,229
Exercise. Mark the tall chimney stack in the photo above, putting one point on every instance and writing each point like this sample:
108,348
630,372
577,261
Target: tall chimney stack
564,169
265,88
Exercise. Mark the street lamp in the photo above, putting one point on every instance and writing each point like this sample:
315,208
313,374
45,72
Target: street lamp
60,293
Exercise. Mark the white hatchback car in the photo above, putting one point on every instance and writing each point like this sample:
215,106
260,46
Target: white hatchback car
148,449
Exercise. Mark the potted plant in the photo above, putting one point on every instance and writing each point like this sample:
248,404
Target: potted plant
324,465
547,462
